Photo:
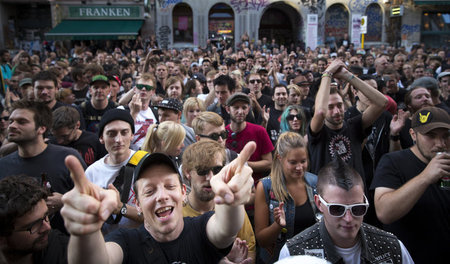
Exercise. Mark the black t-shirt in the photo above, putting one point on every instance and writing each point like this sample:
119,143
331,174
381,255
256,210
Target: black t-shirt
93,116
304,217
89,147
345,142
405,138
55,252
273,125
192,246
80,95
425,229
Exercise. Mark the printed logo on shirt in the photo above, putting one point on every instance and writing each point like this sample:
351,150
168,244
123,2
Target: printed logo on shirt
385,258
340,146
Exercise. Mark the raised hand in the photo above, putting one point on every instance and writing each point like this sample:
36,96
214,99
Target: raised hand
135,103
398,122
86,206
233,184
279,215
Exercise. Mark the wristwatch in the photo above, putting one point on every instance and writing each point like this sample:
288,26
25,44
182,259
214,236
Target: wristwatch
123,210
394,138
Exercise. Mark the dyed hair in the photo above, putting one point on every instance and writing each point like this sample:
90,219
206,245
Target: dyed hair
284,123
287,141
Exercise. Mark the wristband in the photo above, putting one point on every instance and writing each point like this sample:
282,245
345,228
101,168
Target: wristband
327,74
394,138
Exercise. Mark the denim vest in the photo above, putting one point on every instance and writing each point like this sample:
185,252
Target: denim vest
289,210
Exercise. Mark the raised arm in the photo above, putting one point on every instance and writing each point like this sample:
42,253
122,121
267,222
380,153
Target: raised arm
322,96
86,208
232,187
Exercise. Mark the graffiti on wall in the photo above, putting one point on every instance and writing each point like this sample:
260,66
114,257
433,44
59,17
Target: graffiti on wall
164,36
375,23
336,21
359,6
166,5
410,29
248,5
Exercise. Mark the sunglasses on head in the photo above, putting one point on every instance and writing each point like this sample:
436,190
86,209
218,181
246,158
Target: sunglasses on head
339,210
146,86
254,81
4,118
203,171
215,136
291,117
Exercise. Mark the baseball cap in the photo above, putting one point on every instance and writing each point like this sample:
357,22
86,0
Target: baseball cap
153,159
171,103
100,78
429,118
443,74
200,77
426,82
236,97
262,69
25,81
113,115
194,64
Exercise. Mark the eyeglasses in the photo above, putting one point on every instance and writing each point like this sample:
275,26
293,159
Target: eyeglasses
353,62
36,225
215,136
338,210
288,68
291,117
147,87
254,81
4,118
203,171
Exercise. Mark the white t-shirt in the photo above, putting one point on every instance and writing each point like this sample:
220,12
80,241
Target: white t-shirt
352,255
103,174
144,120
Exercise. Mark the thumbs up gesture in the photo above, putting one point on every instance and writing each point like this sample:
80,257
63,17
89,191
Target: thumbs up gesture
86,206
233,184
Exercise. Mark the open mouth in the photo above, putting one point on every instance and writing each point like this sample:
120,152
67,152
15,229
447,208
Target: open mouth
164,212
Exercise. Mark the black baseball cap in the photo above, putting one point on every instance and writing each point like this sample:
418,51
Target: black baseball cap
99,78
155,159
429,118
171,103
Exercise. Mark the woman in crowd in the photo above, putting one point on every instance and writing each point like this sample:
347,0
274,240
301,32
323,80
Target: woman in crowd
166,138
284,202
192,107
293,119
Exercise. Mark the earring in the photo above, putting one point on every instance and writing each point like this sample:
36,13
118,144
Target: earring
139,214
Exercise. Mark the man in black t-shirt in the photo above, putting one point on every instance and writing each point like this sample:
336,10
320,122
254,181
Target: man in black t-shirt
93,109
66,132
165,236
280,99
25,232
408,199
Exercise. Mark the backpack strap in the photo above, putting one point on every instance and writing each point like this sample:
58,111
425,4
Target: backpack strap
125,178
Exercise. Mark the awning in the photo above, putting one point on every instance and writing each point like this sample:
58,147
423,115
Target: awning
95,29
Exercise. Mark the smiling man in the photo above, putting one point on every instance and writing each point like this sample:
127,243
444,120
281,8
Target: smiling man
25,232
169,238
341,236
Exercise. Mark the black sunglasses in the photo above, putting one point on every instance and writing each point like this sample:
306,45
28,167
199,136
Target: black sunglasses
203,171
215,136
291,117
147,87
254,81
288,68
4,118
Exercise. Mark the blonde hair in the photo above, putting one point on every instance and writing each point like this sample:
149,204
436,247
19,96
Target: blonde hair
164,136
198,124
191,103
295,88
286,142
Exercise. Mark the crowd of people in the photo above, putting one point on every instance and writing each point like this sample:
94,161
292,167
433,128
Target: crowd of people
122,152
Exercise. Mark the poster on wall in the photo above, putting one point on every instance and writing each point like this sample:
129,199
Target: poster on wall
311,31
356,30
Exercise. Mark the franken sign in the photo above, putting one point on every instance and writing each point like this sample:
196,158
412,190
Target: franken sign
104,12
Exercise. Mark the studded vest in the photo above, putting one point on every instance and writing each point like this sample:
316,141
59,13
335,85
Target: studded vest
377,246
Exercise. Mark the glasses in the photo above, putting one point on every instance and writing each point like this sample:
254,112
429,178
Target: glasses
254,81
216,136
338,210
204,171
353,62
291,117
4,118
147,87
288,68
36,225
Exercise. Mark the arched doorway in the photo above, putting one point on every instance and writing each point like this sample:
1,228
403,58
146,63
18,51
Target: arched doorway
282,22
374,22
336,21
182,23
221,23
